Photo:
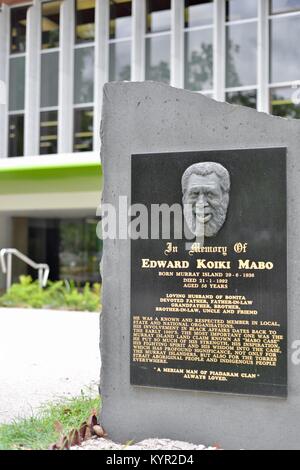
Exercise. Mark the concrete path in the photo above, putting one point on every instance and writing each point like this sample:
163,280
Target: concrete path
44,355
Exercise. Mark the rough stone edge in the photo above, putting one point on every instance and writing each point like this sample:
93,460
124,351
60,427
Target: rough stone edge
146,444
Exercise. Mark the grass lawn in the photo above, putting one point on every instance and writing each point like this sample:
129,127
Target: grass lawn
40,430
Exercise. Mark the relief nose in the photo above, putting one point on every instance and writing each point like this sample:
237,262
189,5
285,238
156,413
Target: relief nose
202,201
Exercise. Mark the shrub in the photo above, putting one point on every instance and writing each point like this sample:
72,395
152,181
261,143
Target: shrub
57,295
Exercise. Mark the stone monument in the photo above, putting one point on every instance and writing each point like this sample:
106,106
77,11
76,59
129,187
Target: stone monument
200,337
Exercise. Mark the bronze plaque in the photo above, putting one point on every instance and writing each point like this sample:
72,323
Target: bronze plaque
209,305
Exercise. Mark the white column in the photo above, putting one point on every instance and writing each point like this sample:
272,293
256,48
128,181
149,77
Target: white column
177,43
32,80
5,241
219,48
65,82
263,98
4,50
101,63
138,40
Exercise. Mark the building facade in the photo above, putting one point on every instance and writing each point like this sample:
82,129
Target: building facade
55,57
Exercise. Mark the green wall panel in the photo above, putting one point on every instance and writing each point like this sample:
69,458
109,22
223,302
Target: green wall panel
51,179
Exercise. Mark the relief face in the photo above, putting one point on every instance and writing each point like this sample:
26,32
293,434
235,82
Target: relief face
205,189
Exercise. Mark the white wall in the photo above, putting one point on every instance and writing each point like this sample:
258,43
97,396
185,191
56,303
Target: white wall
50,201
4,15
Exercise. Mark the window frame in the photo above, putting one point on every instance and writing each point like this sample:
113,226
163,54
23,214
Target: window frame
12,55
188,29
123,39
44,51
156,34
255,86
89,104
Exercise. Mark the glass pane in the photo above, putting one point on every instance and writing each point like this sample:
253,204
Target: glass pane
83,129
16,136
16,83
49,79
50,24
198,60
158,58
285,102
120,19
84,75
79,250
158,16
18,30
119,61
43,239
48,132
284,49
241,53
244,98
278,6
238,10
84,21
198,12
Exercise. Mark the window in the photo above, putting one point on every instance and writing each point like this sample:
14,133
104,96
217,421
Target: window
50,24
241,52
284,48
79,250
84,74
119,61
18,30
284,58
282,6
158,16
84,21
48,132
285,102
241,55
120,19
49,80
17,83
158,25
198,13
243,98
198,45
16,100
239,10
120,24
49,77
83,129
69,246
16,135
